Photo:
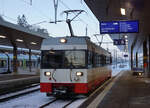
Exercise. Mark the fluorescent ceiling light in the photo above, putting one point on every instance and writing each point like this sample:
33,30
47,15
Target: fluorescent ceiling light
123,11
19,40
1,36
33,43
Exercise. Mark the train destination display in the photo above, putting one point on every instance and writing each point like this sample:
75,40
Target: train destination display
110,27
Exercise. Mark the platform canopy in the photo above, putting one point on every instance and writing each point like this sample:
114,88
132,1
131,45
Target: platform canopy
110,10
13,34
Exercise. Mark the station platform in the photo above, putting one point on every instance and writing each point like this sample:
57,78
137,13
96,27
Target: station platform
125,91
12,82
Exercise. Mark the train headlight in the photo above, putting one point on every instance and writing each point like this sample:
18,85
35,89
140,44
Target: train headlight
47,73
79,73
140,73
63,40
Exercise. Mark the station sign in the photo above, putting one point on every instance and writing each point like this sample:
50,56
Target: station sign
110,27
119,41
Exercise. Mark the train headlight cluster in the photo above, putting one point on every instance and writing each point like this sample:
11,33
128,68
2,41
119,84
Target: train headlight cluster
79,73
47,73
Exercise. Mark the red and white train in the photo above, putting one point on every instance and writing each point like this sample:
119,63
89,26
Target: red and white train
72,65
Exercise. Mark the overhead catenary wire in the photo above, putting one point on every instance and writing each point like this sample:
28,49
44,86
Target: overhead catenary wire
46,16
87,11
71,9
64,6
26,2
37,10
75,14
15,20
3,7
10,18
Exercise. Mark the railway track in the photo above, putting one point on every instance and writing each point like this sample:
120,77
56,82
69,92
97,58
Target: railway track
73,100
69,102
55,100
42,106
16,94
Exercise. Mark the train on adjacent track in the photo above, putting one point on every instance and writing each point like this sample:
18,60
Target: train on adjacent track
6,64
73,65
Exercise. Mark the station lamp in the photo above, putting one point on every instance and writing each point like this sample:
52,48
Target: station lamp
1,36
19,40
33,43
123,11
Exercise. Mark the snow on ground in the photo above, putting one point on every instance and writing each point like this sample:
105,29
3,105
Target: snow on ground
77,103
32,100
36,99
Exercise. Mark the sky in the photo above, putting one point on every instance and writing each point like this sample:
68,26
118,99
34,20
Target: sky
43,10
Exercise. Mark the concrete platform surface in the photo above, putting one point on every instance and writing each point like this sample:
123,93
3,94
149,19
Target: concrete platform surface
11,83
4,77
128,91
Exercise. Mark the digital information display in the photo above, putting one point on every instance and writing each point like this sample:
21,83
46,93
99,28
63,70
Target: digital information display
110,27
129,26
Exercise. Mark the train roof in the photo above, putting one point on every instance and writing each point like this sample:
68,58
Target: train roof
20,56
70,40
19,50
77,42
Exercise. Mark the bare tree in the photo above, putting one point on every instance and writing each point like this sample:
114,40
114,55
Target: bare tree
22,21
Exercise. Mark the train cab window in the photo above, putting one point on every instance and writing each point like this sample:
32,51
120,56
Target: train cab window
51,59
76,58
63,59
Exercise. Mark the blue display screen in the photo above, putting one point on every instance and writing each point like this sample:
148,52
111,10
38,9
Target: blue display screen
129,26
110,27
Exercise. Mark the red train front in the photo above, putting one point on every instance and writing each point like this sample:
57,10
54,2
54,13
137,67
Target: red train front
72,65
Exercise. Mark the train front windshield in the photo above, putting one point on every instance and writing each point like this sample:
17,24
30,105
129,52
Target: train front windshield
63,59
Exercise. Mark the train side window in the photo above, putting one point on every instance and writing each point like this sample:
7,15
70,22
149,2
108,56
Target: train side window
0,63
107,60
3,63
98,61
102,60
93,59
89,59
